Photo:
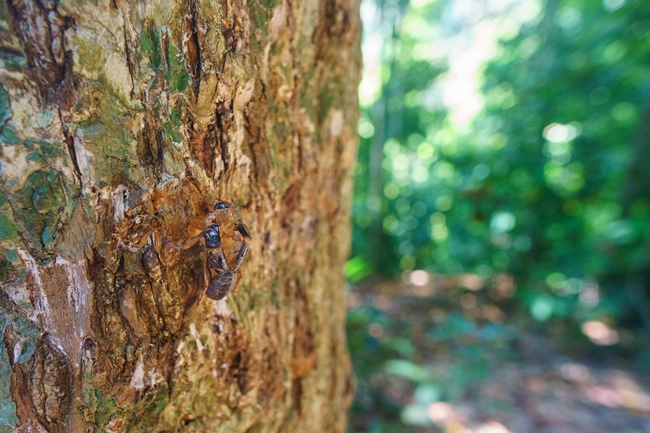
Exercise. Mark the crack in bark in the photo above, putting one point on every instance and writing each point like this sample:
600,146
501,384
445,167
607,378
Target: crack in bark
191,45
69,141
41,30
127,52
223,116
150,145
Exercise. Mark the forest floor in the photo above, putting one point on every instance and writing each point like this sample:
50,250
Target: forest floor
442,357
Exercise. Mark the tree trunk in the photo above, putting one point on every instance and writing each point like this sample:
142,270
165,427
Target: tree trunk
122,121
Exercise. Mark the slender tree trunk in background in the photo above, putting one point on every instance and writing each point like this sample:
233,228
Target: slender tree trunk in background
636,192
119,121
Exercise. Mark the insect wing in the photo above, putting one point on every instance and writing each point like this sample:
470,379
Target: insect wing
241,228
219,277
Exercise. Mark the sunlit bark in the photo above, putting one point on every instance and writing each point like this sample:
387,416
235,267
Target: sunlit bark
121,121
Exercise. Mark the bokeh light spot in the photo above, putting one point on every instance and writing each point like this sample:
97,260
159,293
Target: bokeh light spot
440,412
557,132
419,278
443,204
502,222
376,330
612,5
391,191
407,263
600,333
365,128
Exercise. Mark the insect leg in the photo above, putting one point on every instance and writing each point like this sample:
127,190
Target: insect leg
195,223
206,275
238,276
246,236
216,260
241,255
186,245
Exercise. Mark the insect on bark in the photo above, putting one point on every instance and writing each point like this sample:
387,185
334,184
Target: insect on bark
224,223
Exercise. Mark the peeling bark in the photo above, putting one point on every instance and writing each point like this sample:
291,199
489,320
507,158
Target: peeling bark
122,122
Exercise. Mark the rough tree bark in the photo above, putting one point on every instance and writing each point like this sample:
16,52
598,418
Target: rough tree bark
119,120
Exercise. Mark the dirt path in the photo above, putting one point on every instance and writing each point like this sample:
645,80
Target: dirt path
438,360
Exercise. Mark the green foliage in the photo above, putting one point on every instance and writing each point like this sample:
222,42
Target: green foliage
550,182
547,190
398,159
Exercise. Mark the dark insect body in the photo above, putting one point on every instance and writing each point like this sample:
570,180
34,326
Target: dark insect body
223,229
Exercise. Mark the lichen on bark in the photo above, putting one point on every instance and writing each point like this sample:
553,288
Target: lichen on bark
121,120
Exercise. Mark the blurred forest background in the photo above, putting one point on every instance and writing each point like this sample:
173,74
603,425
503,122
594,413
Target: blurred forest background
500,269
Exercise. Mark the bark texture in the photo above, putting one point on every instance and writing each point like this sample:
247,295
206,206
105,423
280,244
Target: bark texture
120,121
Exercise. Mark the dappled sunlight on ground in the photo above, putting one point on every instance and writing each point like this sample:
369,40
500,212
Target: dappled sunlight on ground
599,333
441,354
